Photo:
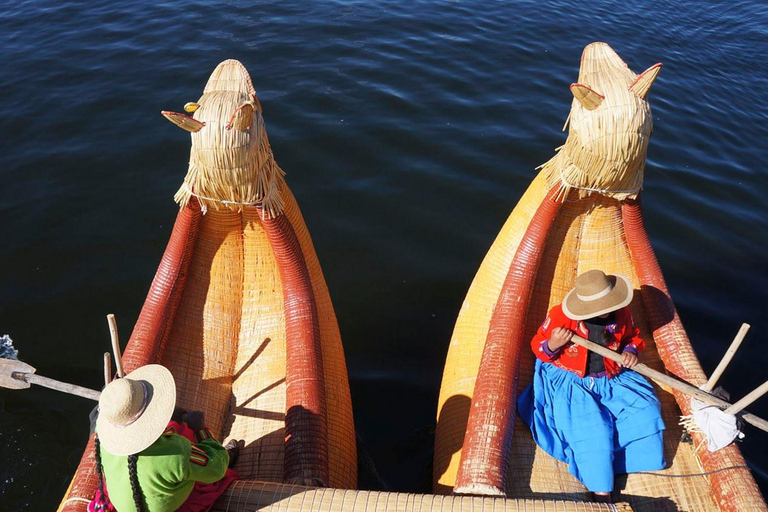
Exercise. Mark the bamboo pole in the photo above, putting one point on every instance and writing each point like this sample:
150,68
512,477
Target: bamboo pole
107,368
45,382
735,344
115,345
672,382
747,400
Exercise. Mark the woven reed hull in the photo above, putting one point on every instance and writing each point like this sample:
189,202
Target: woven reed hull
216,317
588,233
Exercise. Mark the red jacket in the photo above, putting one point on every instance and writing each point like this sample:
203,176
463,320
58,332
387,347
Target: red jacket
624,336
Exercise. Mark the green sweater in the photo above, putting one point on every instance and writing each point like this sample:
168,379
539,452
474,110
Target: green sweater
167,471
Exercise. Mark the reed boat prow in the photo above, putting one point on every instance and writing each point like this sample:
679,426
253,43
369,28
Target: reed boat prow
581,212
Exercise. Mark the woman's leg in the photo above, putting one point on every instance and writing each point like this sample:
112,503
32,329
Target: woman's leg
639,439
587,429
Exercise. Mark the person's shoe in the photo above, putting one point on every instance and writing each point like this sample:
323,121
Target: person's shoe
602,498
233,449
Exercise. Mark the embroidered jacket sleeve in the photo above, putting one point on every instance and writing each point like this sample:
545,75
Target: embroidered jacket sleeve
208,459
539,343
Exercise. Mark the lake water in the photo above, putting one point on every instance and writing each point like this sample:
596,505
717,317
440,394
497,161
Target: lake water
408,131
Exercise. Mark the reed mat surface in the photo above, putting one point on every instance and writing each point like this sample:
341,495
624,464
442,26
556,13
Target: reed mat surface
254,495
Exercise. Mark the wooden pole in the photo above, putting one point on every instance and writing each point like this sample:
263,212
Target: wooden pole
107,368
115,345
58,386
710,385
747,400
672,382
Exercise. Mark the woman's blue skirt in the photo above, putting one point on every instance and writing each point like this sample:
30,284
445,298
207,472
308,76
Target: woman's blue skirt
599,426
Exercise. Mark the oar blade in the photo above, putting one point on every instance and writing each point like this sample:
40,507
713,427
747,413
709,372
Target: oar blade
7,369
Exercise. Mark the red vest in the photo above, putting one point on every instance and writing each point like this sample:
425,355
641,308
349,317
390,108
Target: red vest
574,357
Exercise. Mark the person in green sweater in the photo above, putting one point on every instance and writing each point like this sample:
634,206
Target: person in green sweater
145,460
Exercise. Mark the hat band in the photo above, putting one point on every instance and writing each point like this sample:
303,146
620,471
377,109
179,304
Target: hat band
144,403
595,296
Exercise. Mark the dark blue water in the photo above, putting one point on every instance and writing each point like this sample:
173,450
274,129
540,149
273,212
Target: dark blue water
408,132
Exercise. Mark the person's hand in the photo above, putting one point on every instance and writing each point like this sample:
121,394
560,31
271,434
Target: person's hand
178,414
195,420
560,336
629,359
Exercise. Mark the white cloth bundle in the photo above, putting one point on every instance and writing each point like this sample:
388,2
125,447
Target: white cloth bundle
720,428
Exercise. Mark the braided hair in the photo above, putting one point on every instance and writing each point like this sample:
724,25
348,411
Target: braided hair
138,497
99,469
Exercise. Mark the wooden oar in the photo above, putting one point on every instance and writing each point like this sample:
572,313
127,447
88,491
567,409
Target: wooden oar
747,400
663,378
18,375
710,385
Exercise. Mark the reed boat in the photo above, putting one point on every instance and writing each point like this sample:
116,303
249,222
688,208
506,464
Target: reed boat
240,313
239,310
582,211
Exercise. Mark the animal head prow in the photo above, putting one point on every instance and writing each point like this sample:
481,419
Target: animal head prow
609,125
231,163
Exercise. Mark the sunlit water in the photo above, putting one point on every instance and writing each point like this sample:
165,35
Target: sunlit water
408,132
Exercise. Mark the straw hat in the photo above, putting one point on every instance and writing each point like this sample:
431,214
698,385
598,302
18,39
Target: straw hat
596,294
134,410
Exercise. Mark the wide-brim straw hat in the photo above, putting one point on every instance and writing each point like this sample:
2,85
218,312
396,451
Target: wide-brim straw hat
596,294
135,410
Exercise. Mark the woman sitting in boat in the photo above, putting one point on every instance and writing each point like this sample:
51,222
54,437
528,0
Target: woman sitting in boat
148,462
587,410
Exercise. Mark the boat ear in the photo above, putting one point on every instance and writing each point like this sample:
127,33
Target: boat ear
242,117
183,121
644,81
588,97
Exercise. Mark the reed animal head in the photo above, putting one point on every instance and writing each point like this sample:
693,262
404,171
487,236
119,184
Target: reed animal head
231,163
610,127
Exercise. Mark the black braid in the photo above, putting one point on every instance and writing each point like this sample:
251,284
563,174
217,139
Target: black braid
138,498
99,469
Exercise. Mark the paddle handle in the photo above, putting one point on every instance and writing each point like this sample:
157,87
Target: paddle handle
115,345
747,400
710,385
107,368
58,386
663,378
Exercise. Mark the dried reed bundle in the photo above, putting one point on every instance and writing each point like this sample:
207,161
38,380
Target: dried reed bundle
610,126
231,162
